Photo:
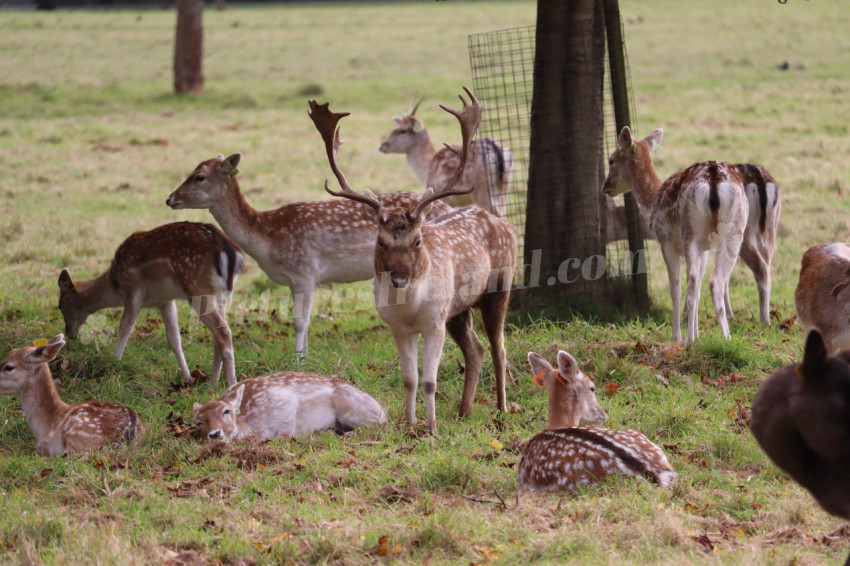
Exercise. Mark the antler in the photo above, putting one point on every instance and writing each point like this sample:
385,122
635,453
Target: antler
326,122
469,117
415,107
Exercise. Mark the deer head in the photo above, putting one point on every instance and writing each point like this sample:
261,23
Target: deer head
399,248
409,132
572,395
207,183
218,419
23,365
629,161
75,310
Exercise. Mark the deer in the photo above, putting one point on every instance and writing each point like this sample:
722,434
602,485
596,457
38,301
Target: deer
153,269
295,245
60,428
759,241
286,403
428,275
568,456
489,170
703,208
800,419
822,293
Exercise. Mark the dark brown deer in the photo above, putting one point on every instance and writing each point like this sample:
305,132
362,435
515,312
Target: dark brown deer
60,428
801,419
429,275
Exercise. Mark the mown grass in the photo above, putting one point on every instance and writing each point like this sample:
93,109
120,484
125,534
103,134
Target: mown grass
93,141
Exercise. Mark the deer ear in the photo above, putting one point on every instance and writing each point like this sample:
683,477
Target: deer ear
814,356
65,282
567,365
539,367
417,126
47,353
230,164
625,139
196,408
234,396
654,140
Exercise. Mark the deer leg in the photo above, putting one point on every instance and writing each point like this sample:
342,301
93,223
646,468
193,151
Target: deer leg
132,307
432,351
693,267
724,261
302,300
761,271
408,350
672,261
213,318
494,306
172,334
461,330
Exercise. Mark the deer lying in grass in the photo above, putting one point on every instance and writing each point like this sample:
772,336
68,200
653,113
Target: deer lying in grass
487,175
567,456
701,209
182,260
429,275
760,234
822,296
299,245
800,419
60,428
288,404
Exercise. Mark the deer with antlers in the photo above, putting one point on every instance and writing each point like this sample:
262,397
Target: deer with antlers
487,173
152,269
60,428
294,245
430,274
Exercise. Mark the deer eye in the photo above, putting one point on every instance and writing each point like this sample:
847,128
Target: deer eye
226,412
381,244
8,368
199,178
593,389
418,243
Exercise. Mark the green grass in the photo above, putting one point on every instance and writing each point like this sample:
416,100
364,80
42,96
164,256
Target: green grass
93,141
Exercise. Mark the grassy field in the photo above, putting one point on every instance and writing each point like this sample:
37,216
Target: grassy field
92,142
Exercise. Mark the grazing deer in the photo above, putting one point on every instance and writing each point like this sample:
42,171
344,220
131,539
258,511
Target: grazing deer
300,245
822,296
60,428
489,169
760,234
286,403
700,209
568,456
800,419
182,260
428,275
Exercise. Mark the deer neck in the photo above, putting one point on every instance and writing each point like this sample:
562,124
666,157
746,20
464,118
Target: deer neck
237,218
420,156
645,187
41,404
101,292
562,403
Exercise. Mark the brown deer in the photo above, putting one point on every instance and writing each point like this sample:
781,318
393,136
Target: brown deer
759,240
488,172
286,403
800,419
182,260
568,456
295,245
701,209
822,296
60,428
428,275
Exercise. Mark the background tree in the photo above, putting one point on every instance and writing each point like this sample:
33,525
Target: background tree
189,47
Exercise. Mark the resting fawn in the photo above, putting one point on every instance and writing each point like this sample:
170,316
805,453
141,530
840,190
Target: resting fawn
60,428
286,403
567,456
822,296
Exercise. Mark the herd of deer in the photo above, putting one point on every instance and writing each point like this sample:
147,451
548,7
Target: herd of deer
431,264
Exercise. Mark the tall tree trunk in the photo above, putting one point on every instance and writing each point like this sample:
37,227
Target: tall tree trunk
189,47
562,234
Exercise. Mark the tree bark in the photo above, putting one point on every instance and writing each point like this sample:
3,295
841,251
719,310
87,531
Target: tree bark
189,47
562,234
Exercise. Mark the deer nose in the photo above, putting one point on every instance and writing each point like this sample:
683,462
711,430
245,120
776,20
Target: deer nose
215,434
168,201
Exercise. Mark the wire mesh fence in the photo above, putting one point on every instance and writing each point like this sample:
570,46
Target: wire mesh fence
502,65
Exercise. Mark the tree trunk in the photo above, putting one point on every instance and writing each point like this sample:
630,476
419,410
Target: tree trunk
189,47
563,243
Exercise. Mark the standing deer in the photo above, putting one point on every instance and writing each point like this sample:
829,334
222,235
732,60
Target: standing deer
567,456
428,275
286,403
800,419
182,260
60,428
822,296
487,175
295,245
701,209
760,234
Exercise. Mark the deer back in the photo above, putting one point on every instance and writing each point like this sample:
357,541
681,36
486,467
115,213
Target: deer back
822,296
